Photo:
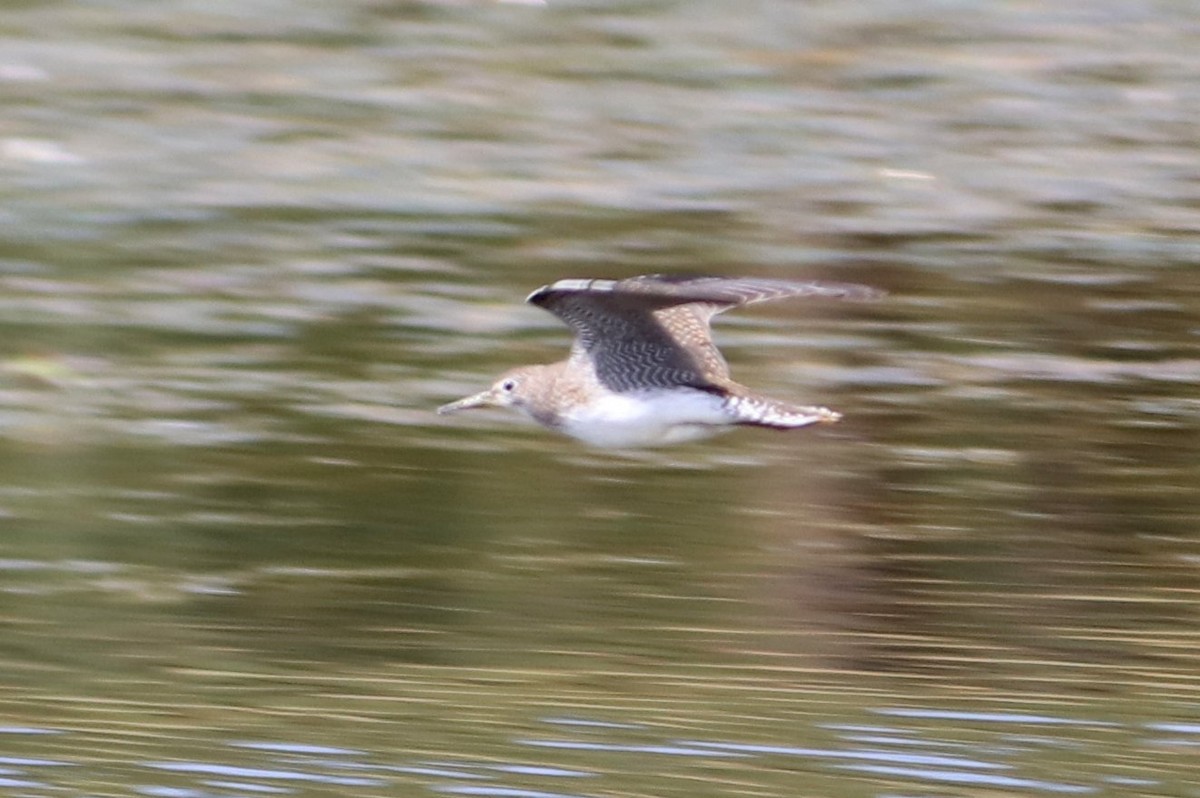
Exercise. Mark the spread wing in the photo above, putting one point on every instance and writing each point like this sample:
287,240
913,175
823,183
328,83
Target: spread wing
653,331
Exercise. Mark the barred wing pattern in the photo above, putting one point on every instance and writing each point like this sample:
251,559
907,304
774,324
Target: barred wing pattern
627,346
653,331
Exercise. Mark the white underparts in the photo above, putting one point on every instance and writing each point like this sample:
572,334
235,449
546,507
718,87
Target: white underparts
647,418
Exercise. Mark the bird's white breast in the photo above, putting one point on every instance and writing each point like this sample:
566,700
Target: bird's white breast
650,418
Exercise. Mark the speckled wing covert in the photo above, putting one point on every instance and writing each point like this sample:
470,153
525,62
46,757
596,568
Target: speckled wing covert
653,331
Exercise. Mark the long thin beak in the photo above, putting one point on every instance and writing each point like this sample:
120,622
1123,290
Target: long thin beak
481,399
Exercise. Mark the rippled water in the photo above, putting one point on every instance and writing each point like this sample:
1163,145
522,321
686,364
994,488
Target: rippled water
248,248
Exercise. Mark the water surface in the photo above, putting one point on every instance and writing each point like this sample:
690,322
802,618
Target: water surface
248,248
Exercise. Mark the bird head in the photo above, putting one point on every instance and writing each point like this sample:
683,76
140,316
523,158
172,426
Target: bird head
513,389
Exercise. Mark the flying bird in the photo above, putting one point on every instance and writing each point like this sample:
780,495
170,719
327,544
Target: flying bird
643,369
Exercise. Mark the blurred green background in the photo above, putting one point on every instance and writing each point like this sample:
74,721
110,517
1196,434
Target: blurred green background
248,247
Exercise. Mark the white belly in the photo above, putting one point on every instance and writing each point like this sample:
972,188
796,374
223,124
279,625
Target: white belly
647,419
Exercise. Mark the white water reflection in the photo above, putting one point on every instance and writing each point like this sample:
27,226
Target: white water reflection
1012,761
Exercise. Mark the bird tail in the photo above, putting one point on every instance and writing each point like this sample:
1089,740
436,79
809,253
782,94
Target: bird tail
760,411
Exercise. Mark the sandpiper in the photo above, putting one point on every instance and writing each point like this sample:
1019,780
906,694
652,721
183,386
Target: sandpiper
643,369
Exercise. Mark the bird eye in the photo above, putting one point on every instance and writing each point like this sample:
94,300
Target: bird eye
508,385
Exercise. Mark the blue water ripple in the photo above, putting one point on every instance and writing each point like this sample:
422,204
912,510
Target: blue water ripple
989,717
260,773
986,779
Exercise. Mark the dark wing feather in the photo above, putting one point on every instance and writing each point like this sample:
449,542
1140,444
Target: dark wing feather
628,345
653,331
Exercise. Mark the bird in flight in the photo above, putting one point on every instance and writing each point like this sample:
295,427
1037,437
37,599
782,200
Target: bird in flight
643,369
